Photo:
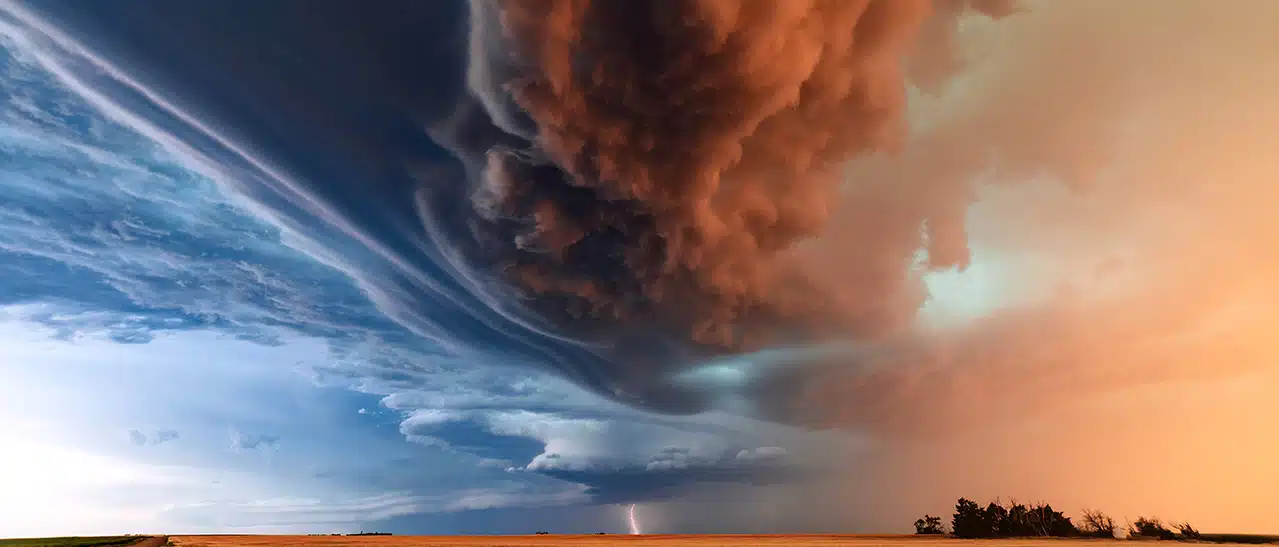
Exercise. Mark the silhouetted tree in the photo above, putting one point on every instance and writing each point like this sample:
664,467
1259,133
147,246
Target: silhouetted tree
1150,527
1015,520
996,519
1048,522
1187,531
929,525
969,520
1096,523
1018,522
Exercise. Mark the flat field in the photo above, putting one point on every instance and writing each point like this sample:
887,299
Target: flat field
626,541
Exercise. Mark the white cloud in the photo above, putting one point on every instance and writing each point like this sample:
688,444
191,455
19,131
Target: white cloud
250,442
297,513
515,495
763,453
162,436
620,439
669,459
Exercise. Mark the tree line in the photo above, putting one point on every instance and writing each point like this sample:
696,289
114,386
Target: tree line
997,520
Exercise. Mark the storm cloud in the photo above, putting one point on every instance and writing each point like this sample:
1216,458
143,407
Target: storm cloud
694,205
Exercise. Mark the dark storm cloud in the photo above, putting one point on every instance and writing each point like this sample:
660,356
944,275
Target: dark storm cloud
613,192
727,176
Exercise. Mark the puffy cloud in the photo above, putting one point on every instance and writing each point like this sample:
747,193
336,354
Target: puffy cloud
253,442
1105,199
769,453
161,436
665,194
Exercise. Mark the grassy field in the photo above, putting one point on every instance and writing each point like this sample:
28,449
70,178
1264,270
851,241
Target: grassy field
112,541
1252,539
619,540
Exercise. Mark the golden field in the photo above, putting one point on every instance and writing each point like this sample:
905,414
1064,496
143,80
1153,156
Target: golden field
619,540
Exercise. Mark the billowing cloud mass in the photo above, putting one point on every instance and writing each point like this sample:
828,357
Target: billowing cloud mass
696,145
920,223
739,175
645,189
661,179
1118,178
718,130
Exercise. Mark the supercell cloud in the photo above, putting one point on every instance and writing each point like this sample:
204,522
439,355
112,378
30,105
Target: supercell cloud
658,168
694,205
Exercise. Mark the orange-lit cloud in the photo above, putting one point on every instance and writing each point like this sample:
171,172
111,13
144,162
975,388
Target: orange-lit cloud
1109,162
1120,186
1109,169
723,126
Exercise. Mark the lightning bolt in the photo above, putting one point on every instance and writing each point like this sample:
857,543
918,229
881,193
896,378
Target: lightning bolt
635,528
